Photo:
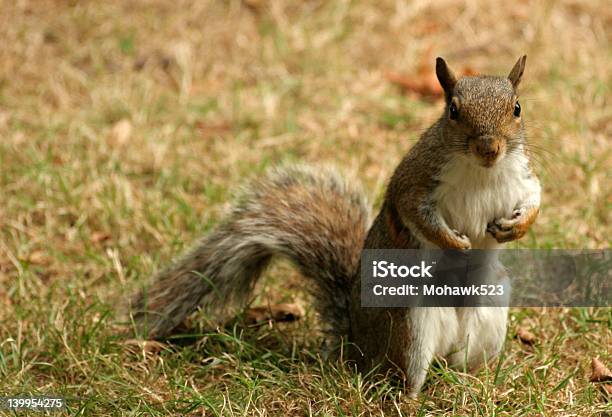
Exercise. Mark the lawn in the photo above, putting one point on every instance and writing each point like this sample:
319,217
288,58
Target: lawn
127,127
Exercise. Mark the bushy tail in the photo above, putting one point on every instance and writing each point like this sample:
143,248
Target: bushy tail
311,217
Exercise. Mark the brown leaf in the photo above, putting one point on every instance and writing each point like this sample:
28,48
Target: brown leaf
599,372
121,132
254,5
468,71
38,257
140,62
525,336
279,312
97,237
148,346
423,84
427,28
209,130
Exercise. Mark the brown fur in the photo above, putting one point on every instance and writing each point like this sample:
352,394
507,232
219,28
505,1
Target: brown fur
313,218
485,106
319,222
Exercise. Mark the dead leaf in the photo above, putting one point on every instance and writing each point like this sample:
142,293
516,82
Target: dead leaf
425,83
38,257
97,237
121,132
210,130
599,372
279,312
254,5
468,71
525,336
147,346
427,28
423,86
140,62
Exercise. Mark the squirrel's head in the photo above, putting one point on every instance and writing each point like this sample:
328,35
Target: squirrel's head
483,115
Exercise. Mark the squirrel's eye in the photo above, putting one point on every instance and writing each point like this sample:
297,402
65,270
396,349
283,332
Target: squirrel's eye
453,112
517,109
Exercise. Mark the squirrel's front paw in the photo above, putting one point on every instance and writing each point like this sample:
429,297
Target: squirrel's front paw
461,241
506,230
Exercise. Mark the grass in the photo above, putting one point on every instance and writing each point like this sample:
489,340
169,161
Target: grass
127,126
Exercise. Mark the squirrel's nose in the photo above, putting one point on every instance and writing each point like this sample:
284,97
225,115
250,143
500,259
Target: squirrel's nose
488,148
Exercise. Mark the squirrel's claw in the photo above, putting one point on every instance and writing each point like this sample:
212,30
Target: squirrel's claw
506,230
502,235
462,241
507,224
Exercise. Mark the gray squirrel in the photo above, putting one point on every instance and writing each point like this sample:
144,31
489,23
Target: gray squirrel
467,183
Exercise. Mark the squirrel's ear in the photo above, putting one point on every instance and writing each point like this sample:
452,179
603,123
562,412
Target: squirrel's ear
446,76
517,72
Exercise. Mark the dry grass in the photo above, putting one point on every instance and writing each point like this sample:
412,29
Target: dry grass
125,127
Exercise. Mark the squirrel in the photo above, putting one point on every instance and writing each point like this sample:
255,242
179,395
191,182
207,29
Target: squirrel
467,183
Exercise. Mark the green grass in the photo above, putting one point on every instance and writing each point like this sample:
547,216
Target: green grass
127,127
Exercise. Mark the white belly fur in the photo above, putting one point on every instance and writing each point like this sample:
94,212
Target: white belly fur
468,197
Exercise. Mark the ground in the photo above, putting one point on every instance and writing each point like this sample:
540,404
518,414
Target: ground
127,127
